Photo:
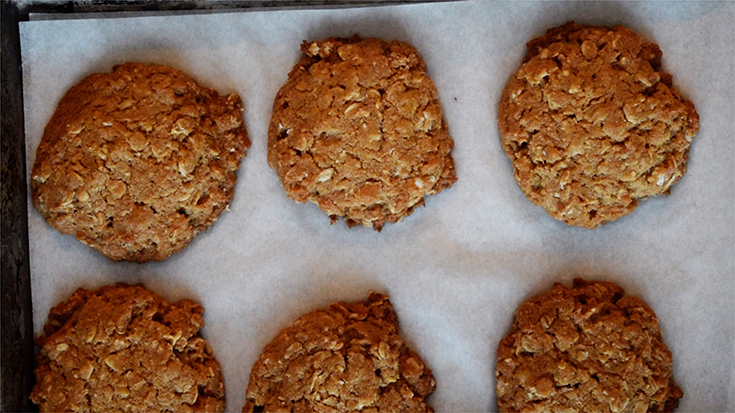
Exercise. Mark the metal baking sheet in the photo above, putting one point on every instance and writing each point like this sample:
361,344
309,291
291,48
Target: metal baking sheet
457,268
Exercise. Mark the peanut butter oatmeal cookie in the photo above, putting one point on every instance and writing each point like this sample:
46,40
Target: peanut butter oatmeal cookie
592,124
358,130
347,358
137,162
588,348
123,348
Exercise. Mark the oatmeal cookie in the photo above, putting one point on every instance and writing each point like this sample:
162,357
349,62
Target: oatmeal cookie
347,358
137,162
588,348
123,348
592,124
358,130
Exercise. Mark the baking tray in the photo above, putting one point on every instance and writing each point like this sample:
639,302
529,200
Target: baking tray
582,259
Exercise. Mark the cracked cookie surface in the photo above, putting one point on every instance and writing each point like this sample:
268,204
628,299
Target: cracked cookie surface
124,348
592,124
358,130
588,348
135,163
347,358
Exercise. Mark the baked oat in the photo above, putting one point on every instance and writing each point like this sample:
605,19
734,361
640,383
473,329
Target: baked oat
135,163
347,358
589,348
358,130
126,349
592,124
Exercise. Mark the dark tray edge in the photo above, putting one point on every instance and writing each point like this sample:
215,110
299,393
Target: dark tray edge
16,356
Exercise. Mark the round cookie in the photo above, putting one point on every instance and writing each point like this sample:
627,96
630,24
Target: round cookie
358,130
588,348
124,348
592,124
137,162
347,358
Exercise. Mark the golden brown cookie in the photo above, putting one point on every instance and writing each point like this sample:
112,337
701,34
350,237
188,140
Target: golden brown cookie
123,348
588,348
358,130
347,358
592,124
137,162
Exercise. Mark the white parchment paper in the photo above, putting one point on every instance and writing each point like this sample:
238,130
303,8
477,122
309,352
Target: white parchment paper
457,268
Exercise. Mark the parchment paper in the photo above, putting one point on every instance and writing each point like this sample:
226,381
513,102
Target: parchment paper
457,268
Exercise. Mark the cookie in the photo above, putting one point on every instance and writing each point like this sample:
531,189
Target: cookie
137,162
124,348
592,124
347,358
589,348
358,130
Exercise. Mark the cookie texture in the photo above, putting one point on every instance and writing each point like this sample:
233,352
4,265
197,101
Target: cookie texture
125,349
137,162
358,130
347,358
588,348
592,124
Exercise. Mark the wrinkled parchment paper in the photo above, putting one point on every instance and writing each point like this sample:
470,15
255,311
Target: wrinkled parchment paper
457,268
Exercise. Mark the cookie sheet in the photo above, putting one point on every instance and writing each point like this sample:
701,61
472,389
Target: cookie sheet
458,267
